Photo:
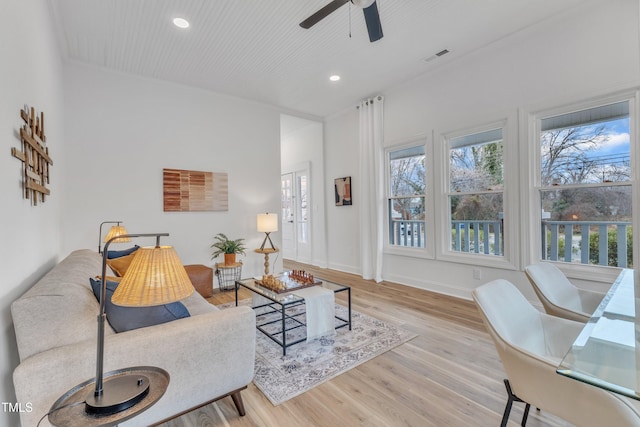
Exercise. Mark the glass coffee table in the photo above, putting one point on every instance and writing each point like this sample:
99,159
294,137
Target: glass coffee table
282,313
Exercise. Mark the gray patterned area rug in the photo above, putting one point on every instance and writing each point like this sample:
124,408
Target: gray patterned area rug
307,365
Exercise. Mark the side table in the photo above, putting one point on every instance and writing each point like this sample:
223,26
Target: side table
266,252
68,413
228,274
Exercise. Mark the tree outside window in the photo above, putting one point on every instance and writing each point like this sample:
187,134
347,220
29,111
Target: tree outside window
585,186
476,185
406,201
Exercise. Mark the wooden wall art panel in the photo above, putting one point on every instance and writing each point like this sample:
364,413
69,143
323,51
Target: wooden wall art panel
192,191
34,155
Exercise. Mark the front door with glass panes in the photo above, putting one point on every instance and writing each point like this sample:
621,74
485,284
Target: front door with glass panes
296,238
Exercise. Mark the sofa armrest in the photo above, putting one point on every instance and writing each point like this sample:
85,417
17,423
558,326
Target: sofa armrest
206,356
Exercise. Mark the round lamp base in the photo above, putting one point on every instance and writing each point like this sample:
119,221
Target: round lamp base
118,393
66,412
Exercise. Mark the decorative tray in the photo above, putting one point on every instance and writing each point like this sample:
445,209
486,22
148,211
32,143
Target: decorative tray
288,281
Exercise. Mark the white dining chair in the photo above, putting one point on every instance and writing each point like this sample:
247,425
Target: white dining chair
531,345
559,296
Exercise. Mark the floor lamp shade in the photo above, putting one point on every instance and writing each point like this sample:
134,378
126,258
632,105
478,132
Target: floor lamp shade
116,231
156,276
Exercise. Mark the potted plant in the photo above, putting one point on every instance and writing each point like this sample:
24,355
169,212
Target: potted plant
228,247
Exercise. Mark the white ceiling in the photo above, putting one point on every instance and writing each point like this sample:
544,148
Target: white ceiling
256,49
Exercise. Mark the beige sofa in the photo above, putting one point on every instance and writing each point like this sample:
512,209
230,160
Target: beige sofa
208,355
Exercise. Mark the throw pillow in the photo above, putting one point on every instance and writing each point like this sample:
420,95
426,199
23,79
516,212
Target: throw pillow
121,253
127,318
119,265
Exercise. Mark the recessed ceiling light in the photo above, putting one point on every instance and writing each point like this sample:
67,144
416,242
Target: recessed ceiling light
180,22
334,78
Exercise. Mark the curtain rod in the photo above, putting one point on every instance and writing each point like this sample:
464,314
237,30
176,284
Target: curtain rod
379,97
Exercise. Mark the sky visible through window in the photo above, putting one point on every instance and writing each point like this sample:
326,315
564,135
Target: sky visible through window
617,144
592,153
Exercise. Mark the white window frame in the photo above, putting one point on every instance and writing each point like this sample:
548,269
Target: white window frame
531,208
425,252
511,252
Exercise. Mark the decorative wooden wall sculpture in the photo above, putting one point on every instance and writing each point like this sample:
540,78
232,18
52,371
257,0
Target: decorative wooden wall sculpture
189,191
34,155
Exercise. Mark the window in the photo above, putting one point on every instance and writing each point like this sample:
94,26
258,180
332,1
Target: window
585,186
406,200
475,193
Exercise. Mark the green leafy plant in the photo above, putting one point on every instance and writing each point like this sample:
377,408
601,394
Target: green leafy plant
612,244
224,245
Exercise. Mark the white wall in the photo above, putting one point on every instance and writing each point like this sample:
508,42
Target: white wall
122,130
589,51
342,154
30,73
302,142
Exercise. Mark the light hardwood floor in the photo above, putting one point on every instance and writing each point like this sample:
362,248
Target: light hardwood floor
449,375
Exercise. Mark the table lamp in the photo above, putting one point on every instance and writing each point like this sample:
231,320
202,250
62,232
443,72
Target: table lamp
267,223
114,231
155,277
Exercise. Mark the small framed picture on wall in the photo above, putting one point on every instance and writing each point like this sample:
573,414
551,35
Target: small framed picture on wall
343,191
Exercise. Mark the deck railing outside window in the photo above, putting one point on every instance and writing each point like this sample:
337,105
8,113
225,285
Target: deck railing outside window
478,237
606,243
601,243
407,232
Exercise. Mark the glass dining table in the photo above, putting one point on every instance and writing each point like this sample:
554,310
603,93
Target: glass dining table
606,353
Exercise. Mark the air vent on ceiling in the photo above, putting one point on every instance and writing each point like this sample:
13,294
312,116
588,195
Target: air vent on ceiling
437,55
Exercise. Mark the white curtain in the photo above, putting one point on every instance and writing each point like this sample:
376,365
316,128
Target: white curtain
372,187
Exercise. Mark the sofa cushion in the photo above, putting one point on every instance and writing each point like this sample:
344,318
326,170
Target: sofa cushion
119,265
127,318
121,253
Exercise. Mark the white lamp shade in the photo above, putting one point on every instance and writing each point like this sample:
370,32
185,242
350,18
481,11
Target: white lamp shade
267,222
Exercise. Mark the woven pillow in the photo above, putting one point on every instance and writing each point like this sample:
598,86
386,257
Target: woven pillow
124,319
119,265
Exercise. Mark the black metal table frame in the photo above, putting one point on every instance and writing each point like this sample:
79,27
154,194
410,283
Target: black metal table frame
281,308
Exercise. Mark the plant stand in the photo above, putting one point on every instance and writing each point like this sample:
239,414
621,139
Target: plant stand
227,275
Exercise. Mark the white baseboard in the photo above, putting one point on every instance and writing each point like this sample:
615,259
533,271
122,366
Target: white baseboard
344,268
429,285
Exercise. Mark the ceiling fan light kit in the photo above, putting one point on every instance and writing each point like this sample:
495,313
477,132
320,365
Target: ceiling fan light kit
369,8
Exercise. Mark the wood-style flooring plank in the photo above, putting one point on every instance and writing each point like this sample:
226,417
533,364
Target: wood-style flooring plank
449,375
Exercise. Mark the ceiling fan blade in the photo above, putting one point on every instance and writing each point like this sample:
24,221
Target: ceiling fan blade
372,18
322,13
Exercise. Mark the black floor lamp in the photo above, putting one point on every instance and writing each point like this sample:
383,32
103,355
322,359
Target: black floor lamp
155,277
